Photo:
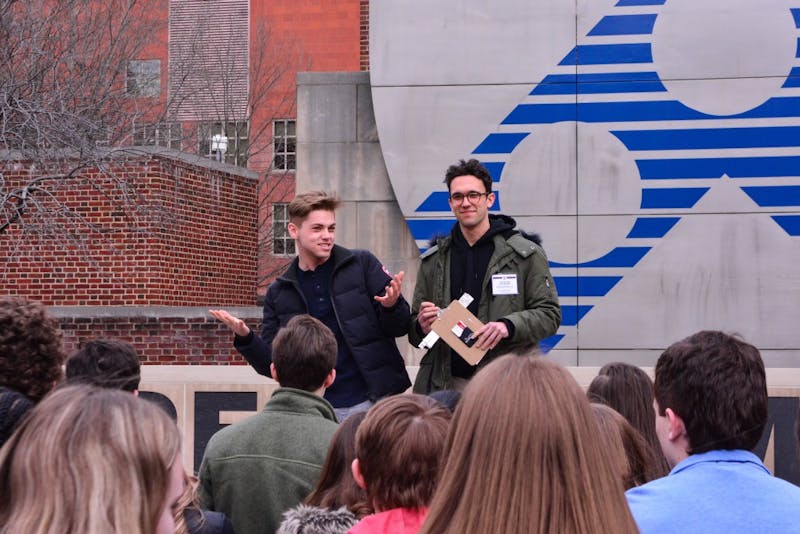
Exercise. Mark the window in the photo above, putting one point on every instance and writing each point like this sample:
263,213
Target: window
282,242
209,61
166,134
284,135
225,141
144,78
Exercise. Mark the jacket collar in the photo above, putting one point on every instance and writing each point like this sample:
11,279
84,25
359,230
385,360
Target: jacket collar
719,456
339,254
293,400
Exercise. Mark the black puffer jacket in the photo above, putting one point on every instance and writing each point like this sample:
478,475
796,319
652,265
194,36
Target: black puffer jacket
368,328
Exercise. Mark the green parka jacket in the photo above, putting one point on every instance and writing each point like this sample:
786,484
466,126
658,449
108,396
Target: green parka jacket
534,310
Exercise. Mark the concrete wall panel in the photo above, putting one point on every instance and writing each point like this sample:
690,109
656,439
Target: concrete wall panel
656,142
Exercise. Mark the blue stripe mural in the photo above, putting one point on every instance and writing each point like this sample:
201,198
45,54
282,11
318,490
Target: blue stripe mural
613,77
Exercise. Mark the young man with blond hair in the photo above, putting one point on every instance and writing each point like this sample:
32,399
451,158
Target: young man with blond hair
351,292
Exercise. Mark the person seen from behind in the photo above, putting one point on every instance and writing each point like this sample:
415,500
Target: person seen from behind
523,456
91,460
398,454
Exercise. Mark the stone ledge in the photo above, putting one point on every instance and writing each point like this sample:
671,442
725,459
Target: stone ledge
158,312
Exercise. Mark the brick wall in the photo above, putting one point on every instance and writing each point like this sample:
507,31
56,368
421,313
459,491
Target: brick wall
161,334
307,35
149,277
189,239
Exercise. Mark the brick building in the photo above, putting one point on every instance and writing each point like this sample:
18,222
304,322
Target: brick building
210,231
191,246
234,98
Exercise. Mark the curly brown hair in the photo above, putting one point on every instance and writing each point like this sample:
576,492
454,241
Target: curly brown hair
31,355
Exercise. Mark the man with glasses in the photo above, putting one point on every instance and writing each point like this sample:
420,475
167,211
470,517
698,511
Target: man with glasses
502,268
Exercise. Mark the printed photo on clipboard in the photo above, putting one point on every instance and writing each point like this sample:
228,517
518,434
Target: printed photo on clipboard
456,326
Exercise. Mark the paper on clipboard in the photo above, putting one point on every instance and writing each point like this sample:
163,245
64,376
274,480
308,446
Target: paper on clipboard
457,326
432,337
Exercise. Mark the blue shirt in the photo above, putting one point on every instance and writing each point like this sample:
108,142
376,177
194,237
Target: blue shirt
717,491
349,388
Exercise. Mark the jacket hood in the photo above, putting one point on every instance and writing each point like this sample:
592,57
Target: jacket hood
498,223
316,520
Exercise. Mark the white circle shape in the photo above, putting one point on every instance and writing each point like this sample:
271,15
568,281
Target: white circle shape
724,57
575,169
539,177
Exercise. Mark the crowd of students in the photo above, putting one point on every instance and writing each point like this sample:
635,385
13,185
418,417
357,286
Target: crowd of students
521,449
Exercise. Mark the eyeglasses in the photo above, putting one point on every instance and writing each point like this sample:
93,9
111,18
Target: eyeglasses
473,196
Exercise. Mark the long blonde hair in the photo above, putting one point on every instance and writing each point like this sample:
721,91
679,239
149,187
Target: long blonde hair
523,456
87,460
189,501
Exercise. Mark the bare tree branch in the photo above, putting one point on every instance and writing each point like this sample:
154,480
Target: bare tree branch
65,97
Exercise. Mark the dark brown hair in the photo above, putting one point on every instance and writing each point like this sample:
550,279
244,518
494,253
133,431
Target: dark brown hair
399,448
523,456
30,347
629,390
336,486
305,203
716,384
632,456
108,363
471,167
304,352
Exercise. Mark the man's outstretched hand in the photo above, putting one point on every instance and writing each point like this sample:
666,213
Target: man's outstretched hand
392,294
236,325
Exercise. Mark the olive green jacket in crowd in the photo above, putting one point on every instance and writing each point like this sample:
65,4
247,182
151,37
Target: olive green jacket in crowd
256,469
534,311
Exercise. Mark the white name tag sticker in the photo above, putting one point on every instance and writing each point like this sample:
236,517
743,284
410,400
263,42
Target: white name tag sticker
504,284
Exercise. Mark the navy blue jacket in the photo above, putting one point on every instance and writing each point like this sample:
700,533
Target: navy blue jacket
368,328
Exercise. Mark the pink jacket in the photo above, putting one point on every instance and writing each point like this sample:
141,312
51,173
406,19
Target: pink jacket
394,521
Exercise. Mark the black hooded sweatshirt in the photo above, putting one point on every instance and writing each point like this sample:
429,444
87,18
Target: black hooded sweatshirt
468,266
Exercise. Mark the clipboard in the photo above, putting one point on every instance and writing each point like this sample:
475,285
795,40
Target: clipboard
456,326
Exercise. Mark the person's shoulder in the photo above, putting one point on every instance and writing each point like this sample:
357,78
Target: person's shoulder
220,442
360,253
367,262
429,252
659,490
523,246
436,244
227,441
345,259
650,504
780,487
649,489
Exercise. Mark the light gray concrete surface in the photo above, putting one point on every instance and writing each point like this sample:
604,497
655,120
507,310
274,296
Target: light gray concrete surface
497,87
157,312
